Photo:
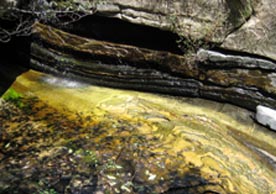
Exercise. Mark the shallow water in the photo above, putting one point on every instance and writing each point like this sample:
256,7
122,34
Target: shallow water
69,137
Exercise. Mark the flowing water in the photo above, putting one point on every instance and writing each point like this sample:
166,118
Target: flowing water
62,136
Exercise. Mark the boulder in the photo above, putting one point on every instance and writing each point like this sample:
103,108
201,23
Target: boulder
266,116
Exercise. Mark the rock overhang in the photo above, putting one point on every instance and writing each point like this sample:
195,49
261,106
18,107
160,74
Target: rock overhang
246,81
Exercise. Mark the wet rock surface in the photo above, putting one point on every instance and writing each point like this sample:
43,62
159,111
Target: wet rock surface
242,80
87,139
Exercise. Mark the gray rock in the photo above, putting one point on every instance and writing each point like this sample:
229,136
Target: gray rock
228,60
266,116
258,34
248,26
191,18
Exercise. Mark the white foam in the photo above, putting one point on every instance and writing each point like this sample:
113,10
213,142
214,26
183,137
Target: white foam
63,82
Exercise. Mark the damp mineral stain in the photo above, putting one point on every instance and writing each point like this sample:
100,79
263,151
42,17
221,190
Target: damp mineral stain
76,137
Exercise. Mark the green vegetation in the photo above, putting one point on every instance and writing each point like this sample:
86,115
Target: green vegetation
88,157
48,191
190,44
13,96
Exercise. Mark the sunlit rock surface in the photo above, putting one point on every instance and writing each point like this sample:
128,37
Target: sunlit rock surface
197,19
243,81
245,26
258,34
266,116
65,137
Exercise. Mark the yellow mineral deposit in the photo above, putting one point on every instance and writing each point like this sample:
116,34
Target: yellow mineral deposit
182,137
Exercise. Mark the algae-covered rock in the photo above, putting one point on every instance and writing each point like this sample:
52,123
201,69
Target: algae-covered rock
90,139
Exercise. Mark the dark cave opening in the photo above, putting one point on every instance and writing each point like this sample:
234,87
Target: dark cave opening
15,59
122,32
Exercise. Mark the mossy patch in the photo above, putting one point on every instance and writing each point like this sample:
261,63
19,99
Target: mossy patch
13,96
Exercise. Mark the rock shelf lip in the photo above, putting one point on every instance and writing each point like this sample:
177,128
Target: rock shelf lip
224,60
266,116
243,81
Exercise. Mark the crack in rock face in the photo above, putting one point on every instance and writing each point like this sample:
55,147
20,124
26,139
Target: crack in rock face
257,35
196,19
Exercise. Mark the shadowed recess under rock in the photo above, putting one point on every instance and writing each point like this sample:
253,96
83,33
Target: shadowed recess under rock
241,80
15,59
122,32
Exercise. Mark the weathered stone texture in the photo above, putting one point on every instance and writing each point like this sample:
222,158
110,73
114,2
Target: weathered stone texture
196,19
248,26
244,81
266,116
258,34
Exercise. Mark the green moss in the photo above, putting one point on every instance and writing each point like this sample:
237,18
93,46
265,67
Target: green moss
48,191
13,96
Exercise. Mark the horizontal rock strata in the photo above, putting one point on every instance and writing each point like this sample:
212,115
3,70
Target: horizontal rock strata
244,81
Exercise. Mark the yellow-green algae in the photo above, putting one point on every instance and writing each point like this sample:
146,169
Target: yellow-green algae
160,142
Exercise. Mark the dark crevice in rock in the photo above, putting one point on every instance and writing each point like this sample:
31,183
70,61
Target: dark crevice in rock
129,67
237,13
15,59
122,32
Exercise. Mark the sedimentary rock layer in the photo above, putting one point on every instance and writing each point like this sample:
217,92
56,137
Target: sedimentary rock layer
247,26
244,81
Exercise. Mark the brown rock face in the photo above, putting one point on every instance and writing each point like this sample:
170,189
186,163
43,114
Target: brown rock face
247,26
244,81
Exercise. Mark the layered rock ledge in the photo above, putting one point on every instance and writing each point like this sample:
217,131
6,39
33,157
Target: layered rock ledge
247,26
242,80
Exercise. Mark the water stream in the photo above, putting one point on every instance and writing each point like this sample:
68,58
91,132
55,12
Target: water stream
62,136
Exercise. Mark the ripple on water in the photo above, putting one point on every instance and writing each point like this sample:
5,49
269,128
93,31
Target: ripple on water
129,141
